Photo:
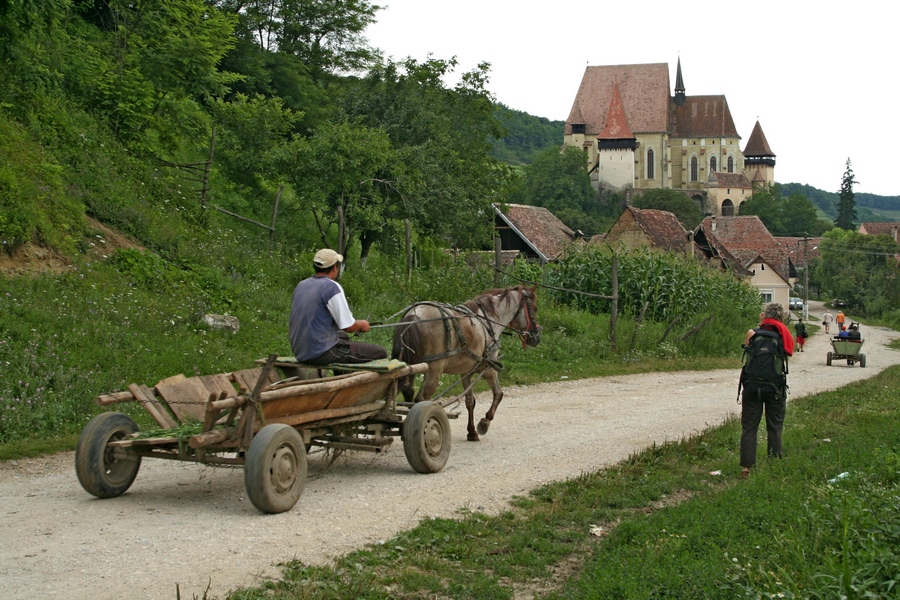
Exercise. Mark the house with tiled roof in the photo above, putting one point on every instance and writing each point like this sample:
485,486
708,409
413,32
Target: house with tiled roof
648,228
889,229
532,230
745,242
661,139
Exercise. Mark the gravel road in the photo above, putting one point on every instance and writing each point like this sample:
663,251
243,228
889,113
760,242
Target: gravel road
192,525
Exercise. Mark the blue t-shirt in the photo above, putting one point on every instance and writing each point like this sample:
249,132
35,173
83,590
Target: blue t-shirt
318,311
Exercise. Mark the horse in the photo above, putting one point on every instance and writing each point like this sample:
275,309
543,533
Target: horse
464,340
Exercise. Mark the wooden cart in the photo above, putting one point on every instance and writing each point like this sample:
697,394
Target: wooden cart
846,349
267,424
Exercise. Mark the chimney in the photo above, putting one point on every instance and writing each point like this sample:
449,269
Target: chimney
712,224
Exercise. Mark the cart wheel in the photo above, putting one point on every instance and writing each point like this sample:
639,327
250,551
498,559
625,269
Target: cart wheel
275,468
102,471
862,360
828,359
426,437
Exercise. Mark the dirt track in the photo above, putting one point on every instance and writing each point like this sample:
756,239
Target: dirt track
188,524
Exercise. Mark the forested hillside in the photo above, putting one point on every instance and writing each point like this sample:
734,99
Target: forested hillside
869,207
527,136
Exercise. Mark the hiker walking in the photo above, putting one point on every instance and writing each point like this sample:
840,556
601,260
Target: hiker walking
839,319
827,320
764,383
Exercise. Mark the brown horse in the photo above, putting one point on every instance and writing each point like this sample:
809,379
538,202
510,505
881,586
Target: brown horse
463,340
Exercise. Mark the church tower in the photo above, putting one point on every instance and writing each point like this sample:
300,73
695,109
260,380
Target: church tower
679,86
759,160
615,147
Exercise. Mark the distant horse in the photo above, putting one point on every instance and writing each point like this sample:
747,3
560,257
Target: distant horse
464,340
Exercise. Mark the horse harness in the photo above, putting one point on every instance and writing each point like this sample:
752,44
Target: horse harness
448,318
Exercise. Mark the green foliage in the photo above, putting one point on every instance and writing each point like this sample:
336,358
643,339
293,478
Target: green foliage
687,211
846,213
34,205
559,182
527,136
861,270
790,216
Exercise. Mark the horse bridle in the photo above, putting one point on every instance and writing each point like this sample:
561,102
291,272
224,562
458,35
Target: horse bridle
531,327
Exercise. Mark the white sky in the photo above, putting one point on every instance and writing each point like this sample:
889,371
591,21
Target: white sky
822,80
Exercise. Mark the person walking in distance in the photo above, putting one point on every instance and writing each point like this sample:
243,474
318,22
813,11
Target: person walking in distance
764,384
800,330
827,320
839,319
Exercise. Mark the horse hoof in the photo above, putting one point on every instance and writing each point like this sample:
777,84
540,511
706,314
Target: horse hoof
483,426
473,437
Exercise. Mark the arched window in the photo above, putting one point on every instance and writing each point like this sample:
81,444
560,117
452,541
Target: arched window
731,164
651,170
727,208
694,168
712,164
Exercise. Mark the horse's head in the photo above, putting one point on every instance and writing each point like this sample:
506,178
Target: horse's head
525,320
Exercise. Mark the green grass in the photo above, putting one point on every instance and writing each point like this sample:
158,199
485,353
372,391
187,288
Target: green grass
669,527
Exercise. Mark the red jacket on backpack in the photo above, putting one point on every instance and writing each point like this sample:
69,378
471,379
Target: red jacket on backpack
786,338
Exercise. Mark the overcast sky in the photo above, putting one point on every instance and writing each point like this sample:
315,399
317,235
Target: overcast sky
820,80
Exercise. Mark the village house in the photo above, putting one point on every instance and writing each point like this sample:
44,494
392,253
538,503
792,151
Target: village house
533,231
636,135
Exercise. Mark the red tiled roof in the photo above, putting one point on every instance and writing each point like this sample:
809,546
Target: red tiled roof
702,116
757,145
747,239
616,127
540,228
661,227
644,91
890,229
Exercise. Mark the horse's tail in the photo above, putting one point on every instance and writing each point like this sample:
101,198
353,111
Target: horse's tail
407,347
408,341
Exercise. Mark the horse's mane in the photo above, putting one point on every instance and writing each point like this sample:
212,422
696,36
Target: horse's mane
490,307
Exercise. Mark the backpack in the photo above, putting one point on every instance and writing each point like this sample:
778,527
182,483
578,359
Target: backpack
765,363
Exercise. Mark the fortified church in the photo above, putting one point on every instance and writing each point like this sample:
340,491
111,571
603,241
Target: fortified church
636,136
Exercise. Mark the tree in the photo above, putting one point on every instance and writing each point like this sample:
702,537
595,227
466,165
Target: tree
444,178
337,174
847,202
791,216
687,211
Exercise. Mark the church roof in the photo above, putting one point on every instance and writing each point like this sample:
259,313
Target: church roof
616,127
728,180
757,145
644,91
702,116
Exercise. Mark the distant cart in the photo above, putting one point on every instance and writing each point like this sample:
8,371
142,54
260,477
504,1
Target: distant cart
267,424
846,349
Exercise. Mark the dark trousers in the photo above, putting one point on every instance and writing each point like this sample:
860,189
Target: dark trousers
349,352
753,403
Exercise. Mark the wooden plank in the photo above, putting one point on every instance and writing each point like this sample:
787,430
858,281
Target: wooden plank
247,378
187,397
146,397
113,398
219,384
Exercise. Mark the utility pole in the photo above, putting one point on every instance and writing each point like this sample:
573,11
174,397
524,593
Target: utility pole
805,278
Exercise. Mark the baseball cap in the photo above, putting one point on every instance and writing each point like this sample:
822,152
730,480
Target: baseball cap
327,257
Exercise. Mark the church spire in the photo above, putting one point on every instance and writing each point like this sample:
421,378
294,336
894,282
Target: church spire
679,86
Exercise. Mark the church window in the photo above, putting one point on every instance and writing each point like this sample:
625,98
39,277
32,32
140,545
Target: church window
712,163
731,164
651,174
578,128
694,168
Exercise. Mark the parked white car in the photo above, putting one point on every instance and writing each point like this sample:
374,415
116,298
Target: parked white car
796,304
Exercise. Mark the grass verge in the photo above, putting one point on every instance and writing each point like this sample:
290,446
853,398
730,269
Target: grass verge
674,521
